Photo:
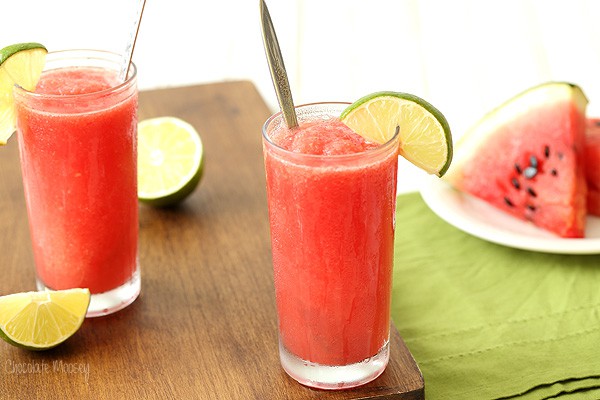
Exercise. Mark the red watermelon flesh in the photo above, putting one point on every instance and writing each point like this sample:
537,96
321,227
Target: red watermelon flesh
526,158
593,200
592,165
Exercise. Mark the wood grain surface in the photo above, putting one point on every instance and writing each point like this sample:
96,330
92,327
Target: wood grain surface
204,326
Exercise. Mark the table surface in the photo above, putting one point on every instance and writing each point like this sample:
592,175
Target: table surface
205,323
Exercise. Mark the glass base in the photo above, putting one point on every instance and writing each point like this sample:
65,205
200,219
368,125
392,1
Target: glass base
112,301
334,377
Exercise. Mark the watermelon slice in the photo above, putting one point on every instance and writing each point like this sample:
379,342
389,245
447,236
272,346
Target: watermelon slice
592,165
526,158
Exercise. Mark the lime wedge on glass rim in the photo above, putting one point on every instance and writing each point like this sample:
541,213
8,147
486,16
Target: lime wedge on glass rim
20,64
425,138
170,160
42,320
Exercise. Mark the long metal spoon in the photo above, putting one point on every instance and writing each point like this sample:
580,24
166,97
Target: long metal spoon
126,62
277,68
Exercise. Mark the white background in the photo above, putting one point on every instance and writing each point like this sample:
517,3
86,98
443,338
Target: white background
464,56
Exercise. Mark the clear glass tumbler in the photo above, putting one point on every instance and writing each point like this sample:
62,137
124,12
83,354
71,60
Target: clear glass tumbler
332,235
78,147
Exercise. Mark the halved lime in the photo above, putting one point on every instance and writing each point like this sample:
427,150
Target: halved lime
20,64
42,320
170,160
425,138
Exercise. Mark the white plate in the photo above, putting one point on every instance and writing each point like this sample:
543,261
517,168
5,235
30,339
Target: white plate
480,219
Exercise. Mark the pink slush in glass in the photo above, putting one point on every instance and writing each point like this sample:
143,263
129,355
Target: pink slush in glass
78,148
331,198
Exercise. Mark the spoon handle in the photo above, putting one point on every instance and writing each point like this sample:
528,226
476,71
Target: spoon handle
277,68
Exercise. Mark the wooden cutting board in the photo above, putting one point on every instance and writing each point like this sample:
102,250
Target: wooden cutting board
204,326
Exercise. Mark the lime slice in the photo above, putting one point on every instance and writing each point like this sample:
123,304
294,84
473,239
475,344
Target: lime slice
42,320
425,138
170,160
20,64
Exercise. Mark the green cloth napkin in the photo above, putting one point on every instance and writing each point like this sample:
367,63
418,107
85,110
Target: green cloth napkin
485,321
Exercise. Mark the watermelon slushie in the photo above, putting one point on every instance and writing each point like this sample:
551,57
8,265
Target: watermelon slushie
77,140
331,199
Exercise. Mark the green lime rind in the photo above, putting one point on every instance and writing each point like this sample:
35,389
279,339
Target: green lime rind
12,49
420,102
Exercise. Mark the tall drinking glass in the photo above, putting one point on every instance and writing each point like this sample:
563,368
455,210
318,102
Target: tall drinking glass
332,235
78,148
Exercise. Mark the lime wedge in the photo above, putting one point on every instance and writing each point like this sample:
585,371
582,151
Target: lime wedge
42,320
20,64
170,160
425,138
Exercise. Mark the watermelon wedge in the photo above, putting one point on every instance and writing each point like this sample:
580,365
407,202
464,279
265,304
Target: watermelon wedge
526,158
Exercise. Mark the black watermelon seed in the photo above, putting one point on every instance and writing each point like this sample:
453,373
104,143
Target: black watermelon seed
547,151
560,156
515,183
530,172
530,207
531,192
508,202
533,161
553,172
598,123
517,168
